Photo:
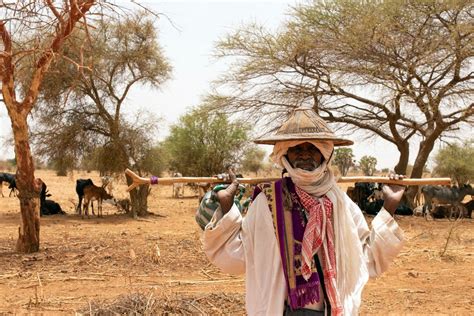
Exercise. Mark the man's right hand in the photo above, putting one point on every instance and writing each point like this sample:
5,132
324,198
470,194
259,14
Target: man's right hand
226,196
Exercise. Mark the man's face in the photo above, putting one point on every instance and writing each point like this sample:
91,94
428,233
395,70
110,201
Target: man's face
305,156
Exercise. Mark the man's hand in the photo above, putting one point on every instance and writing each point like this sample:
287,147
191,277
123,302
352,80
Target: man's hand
226,196
392,194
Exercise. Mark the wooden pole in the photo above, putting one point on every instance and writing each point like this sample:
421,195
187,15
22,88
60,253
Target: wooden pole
137,180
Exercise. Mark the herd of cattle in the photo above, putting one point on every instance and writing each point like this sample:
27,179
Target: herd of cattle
432,201
87,193
439,201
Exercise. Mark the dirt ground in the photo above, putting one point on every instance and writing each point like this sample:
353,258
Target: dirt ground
84,263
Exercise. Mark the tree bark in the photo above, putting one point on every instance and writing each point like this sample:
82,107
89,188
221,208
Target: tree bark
138,199
29,189
402,165
424,151
426,147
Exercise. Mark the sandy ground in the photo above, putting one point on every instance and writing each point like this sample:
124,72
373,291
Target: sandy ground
87,262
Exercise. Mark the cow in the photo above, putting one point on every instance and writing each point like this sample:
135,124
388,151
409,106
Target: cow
444,195
11,180
178,188
441,211
361,192
369,197
452,212
377,193
95,193
48,207
12,187
80,185
469,207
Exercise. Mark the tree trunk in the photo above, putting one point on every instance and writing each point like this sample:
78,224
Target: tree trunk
426,147
139,199
424,151
29,189
402,165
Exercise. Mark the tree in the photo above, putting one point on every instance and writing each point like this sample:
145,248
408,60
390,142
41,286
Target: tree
395,69
83,108
455,161
253,159
203,144
367,165
51,24
344,159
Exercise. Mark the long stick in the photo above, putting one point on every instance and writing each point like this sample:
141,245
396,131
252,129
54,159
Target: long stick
137,180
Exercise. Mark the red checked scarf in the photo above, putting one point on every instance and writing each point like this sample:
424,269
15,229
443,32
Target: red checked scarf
319,232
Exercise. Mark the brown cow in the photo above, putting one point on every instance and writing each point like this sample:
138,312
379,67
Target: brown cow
95,193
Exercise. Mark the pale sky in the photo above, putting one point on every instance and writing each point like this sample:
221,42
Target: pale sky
188,44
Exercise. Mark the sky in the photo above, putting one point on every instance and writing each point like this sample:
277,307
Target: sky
188,42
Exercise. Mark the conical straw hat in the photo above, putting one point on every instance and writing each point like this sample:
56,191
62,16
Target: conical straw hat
304,124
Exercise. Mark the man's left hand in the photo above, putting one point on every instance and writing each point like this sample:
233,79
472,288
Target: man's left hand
392,194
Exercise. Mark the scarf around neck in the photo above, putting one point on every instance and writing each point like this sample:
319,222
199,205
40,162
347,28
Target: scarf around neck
289,223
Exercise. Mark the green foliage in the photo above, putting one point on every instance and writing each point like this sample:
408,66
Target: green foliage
456,161
62,164
344,159
155,160
203,144
367,165
253,159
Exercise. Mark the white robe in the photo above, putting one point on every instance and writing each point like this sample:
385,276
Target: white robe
248,245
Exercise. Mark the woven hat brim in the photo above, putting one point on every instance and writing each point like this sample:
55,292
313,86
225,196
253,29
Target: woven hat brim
271,140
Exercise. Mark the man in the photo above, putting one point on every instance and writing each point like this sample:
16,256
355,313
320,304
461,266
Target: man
304,246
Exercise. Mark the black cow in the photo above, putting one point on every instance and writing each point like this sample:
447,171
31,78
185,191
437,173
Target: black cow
369,197
469,208
10,179
48,207
80,185
361,193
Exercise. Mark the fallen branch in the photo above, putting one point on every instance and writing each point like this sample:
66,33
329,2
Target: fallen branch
137,180
179,282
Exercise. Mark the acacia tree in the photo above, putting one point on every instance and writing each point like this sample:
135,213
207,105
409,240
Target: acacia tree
253,159
367,164
344,159
395,69
83,107
52,22
455,161
203,144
